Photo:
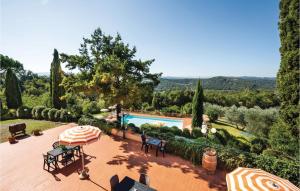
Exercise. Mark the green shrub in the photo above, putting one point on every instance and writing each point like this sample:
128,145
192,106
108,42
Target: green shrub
101,124
38,112
176,131
45,113
171,109
51,114
186,133
57,115
65,116
24,112
258,145
7,114
90,107
196,132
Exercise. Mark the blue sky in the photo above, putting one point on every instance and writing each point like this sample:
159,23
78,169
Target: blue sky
198,38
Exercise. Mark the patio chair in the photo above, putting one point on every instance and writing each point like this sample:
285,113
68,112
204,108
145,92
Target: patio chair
144,179
144,143
114,181
48,160
68,156
162,147
55,144
78,150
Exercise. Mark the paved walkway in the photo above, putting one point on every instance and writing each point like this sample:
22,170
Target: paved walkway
21,167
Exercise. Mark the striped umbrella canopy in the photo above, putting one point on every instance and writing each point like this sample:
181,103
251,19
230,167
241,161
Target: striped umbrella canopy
79,135
246,179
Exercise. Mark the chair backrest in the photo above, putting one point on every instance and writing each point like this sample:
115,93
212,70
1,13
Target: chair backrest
55,144
114,180
143,138
144,179
45,156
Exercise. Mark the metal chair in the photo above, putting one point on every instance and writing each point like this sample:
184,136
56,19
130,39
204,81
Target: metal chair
162,147
114,181
55,144
68,156
48,160
144,179
144,143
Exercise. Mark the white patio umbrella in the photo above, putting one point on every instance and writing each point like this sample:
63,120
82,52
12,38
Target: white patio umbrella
79,136
249,179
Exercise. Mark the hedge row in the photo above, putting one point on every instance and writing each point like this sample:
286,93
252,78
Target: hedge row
230,158
102,124
51,114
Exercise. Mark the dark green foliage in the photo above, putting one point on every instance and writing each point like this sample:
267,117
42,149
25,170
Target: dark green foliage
258,145
230,158
171,109
282,140
51,114
24,112
101,124
198,106
187,108
186,133
65,116
284,136
12,90
45,113
56,90
90,107
176,131
37,112
7,114
196,132
57,115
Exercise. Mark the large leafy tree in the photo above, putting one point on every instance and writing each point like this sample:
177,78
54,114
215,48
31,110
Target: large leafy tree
109,69
197,110
12,90
56,89
287,128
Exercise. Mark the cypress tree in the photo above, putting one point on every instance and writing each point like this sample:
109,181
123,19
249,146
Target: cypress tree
12,90
197,110
284,134
56,75
288,74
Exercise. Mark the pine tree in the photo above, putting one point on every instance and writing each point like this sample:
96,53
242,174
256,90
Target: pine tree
56,75
12,90
197,111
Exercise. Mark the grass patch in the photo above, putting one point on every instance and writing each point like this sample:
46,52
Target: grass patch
232,130
30,125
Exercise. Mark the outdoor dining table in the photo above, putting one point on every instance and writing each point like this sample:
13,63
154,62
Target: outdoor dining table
154,142
128,184
59,151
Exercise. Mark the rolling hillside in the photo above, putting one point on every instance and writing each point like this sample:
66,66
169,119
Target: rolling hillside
219,83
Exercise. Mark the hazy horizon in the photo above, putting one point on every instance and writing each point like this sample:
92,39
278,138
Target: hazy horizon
187,39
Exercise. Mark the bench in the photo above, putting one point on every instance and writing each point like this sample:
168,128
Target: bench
17,129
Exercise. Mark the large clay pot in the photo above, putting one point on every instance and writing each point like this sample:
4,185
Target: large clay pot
209,160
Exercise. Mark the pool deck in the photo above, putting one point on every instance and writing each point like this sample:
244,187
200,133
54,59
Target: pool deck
187,121
21,167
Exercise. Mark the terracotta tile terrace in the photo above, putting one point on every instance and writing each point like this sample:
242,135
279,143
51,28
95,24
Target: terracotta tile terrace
21,166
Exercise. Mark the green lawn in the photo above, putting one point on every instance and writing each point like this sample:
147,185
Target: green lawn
30,125
232,129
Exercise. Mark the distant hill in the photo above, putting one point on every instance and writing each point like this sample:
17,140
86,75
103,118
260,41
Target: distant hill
219,83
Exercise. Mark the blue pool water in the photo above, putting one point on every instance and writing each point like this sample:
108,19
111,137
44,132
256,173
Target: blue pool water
139,120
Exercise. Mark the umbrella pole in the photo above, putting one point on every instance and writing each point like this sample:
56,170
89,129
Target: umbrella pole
84,174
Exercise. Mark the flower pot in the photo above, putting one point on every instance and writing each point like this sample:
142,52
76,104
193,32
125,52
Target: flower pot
36,132
11,140
209,160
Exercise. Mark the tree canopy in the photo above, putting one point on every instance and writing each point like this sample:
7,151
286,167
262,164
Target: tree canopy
12,90
109,69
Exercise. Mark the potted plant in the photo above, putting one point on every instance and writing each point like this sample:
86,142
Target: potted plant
36,132
12,139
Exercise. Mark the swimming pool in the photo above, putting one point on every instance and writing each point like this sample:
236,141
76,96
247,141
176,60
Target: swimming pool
139,120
